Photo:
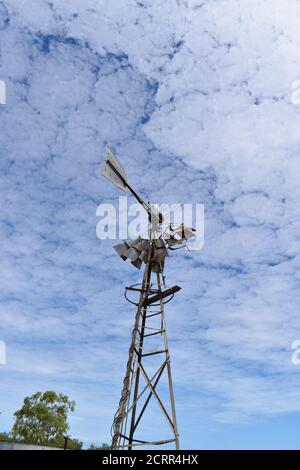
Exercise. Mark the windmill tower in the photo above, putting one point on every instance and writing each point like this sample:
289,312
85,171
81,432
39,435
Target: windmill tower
149,297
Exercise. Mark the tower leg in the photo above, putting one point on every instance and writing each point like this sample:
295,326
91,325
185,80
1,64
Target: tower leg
171,388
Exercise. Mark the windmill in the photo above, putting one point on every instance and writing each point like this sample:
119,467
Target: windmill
149,298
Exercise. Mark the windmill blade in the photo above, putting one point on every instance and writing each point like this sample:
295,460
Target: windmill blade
137,251
113,170
115,173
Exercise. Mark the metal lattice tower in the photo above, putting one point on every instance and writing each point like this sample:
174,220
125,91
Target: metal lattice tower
127,420
139,384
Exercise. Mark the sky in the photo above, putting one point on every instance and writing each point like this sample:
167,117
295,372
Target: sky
196,98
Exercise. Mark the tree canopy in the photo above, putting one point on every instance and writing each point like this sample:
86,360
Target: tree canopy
103,446
43,419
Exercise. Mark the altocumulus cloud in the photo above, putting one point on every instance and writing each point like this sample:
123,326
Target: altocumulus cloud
199,100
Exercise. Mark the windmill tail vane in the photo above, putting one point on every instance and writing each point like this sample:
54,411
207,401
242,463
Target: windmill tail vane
148,365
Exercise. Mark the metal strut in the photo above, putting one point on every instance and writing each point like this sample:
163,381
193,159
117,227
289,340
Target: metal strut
135,399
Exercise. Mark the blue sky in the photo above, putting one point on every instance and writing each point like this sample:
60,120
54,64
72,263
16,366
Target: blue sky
197,96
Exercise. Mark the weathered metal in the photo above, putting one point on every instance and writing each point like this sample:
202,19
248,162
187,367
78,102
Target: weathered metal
128,418
137,249
152,252
151,299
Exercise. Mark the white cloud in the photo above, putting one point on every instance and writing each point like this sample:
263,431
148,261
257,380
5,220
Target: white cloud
197,97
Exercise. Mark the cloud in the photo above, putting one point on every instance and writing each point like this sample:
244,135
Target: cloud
197,103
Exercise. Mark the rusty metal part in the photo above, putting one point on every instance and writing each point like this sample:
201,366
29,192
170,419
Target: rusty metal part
161,295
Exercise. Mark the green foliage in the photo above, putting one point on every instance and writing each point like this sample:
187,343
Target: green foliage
43,419
93,446
73,444
102,447
5,436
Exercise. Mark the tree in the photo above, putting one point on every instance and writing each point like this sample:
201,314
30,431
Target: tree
102,447
43,419
73,444
5,436
93,446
